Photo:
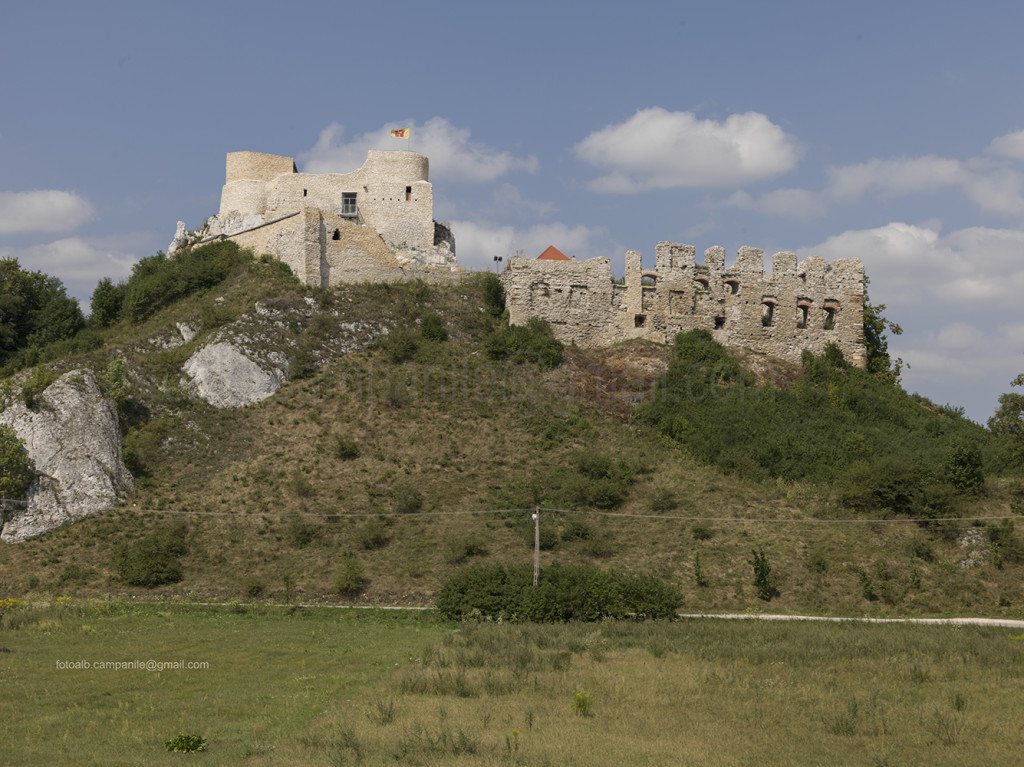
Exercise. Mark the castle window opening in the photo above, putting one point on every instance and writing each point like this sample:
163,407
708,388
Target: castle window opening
732,287
408,193
767,313
336,235
719,323
830,318
305,192
801,316
640,321
700,283
348,204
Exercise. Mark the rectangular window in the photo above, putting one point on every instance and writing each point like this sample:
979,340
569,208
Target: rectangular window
348,204
408,193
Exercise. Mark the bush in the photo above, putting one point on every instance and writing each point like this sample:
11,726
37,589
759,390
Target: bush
344,447
406,498
532,342
762,574
432,327
350,579
185,743
400,344
494,295
373,535
152,560
963,469
564,593
301,533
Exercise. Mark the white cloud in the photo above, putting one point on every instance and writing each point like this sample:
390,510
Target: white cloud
477,244
42,211
960,335
993,189
658,149
915,264
74,259
795,204
1011,145
453,156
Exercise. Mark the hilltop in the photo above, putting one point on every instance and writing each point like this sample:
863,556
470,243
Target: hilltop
414,432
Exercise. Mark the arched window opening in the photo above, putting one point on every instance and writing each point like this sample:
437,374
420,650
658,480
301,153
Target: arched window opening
336,235
732,287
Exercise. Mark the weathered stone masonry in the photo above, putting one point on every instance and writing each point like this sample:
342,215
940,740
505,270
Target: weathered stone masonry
374,224
803,305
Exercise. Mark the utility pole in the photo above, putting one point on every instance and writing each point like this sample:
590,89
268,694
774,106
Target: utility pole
536,546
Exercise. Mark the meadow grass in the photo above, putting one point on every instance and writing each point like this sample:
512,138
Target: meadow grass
318,686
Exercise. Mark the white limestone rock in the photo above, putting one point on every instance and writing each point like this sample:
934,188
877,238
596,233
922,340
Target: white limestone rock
74,441
227,378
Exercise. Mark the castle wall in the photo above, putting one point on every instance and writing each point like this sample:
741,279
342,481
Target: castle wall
808,304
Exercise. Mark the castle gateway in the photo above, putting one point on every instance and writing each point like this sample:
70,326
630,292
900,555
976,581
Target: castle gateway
804,305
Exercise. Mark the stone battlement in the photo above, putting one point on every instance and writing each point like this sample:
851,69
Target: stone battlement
800,305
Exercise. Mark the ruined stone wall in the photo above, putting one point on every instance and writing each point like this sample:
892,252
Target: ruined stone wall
803,305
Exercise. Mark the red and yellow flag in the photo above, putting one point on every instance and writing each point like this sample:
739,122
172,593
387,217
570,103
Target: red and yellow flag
399,133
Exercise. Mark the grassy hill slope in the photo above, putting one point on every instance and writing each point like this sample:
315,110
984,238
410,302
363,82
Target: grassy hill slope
374,472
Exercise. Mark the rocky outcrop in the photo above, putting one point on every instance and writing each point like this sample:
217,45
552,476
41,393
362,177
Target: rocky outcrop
73,438
226,377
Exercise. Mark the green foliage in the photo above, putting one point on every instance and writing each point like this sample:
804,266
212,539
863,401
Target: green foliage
350,579
185,743
494,295
112,382
373,534
532,342
158,281
598,481
406,498
35,311
302,364
301,533
35,384
16,472
400,344
344,447
833,425
762,574
564,593
153,559
107,300
876,344
581,702
432,327
963,469
1008,423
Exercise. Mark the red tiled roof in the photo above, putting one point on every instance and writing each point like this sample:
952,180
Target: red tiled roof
553,254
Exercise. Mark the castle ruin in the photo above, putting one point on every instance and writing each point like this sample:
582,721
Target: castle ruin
804,305
375,224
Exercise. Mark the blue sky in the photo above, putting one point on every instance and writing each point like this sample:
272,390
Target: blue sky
889,131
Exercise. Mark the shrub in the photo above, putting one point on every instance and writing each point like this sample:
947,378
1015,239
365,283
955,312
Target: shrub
75,575
400,344
432,327
185,743
301,533
153,559
460,550
532,342
344,447
577,530
494,295
564,593
350,579
406,498
373,535
663,499
963,468
762,574
253,587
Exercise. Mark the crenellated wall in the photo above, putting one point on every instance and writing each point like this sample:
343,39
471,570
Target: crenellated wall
799,306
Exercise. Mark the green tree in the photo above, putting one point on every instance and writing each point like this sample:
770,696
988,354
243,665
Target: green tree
35,310
1008,421
876,344
16,473
107,300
